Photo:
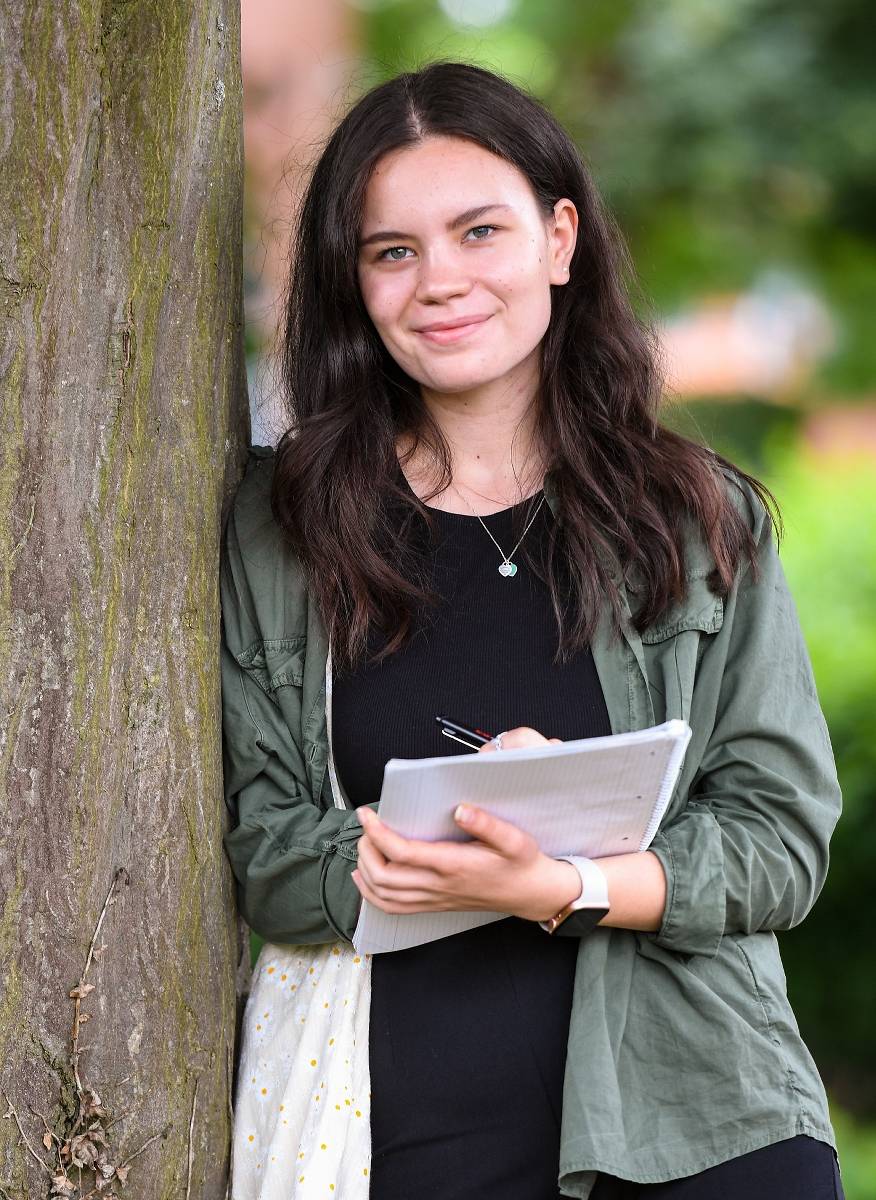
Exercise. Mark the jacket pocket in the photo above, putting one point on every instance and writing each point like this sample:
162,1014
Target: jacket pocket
275,662
673,647
724,984
702,1032
763,958
700,610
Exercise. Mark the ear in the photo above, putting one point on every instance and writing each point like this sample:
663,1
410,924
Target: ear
562,236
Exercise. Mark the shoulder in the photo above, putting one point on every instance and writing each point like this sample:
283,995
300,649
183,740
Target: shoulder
703,604
747,502
699,560
252,537
251,505
261,580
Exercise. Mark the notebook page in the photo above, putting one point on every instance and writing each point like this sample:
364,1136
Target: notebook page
594,797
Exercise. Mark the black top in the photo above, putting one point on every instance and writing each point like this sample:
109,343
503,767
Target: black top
468,1034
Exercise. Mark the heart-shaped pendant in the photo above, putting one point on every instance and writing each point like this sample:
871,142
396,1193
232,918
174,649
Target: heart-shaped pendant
507,569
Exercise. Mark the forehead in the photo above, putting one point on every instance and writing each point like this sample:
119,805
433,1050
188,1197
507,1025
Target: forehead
438,178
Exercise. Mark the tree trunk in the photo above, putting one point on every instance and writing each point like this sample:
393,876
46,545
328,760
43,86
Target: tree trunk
123,426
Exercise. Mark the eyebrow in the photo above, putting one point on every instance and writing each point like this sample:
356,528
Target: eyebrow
470,214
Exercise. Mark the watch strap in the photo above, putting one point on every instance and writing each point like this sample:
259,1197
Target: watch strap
580,915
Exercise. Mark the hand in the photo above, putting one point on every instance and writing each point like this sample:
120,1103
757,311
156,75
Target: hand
502,870
514,739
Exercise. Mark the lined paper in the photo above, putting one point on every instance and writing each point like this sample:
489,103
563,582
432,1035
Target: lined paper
592,797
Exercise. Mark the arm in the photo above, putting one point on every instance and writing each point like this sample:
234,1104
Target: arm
750,850
291,860
636,891
502,870
290,857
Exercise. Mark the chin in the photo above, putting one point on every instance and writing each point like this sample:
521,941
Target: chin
455,383
461,379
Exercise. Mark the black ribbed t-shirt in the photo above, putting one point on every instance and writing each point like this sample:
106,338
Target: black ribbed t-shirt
468,1034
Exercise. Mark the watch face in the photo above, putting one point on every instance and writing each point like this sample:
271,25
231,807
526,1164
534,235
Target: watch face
581,921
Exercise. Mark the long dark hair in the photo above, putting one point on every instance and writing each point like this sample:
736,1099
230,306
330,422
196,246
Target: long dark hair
626,485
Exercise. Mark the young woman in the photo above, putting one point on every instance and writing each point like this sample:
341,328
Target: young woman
476,510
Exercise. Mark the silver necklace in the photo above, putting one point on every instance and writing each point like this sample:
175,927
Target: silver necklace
507,568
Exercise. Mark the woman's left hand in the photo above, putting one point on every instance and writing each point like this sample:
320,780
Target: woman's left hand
502,870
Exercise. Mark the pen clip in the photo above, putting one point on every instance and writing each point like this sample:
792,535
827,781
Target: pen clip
447,733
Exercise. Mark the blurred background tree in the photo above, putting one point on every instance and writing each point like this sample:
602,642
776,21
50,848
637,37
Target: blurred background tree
734,144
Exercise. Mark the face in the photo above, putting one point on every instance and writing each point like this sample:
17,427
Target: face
456,261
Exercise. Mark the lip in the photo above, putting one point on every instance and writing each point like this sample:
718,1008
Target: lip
443,332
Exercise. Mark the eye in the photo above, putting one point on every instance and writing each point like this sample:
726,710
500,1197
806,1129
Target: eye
382,256
475,229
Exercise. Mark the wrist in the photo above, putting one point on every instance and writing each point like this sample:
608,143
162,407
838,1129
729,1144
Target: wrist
560,885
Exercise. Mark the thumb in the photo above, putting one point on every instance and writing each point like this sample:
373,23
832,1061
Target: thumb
495,832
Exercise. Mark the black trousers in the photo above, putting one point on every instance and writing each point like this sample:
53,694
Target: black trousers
799,1168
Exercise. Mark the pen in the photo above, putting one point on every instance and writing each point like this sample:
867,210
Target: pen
473,738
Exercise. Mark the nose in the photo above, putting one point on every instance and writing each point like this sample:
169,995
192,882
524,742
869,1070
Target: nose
441,277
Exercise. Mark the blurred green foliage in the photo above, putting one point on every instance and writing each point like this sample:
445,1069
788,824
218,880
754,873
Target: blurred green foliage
856,1142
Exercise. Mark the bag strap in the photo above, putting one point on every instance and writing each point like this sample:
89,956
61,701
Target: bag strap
338,796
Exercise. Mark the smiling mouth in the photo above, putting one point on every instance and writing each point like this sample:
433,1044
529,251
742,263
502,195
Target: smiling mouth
443,337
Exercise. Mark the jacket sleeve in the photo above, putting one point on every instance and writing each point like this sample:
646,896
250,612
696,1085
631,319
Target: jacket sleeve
750,850
291,858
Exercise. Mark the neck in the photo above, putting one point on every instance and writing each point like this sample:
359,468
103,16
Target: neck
494,449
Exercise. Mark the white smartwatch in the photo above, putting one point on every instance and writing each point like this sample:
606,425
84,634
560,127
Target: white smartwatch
581,915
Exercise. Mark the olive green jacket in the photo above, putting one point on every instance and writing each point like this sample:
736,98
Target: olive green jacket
683,1049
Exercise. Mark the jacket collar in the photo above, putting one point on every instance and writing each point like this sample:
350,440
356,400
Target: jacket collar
550,494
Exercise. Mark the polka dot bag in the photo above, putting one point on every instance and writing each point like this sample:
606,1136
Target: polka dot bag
302,1112
302,1108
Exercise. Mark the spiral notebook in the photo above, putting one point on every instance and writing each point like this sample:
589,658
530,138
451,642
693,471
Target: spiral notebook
593,797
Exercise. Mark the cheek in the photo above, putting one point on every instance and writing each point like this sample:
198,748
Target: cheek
383,299
525,288
528,273
521,271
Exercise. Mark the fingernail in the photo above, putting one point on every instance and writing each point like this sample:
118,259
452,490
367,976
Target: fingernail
461,813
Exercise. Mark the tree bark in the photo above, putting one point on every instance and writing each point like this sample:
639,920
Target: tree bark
123,429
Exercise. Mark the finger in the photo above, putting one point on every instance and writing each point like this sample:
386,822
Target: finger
396,848
384,876
404,902
496,833
369,856
515,739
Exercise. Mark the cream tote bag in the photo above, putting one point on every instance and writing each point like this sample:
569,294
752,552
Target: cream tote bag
302,1107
